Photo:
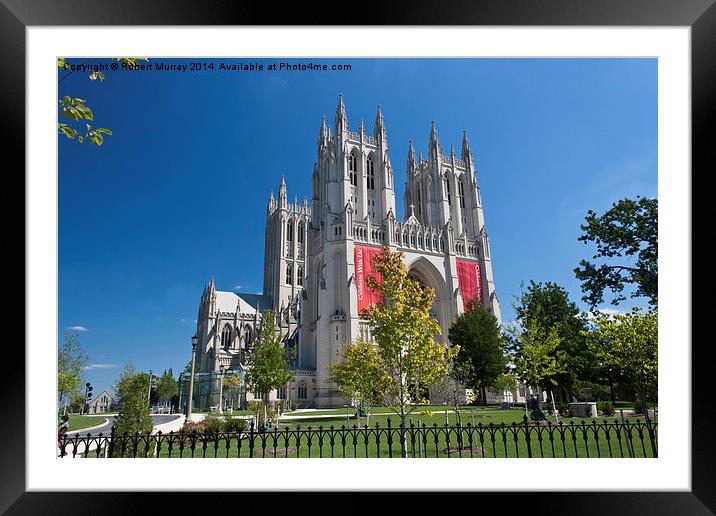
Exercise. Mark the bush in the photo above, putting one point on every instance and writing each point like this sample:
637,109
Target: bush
232,424
605,408
213,423
537,415
640,406
564,409
193,426
134,418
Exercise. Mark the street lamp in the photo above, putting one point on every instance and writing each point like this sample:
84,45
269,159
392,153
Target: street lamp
194,342
222,369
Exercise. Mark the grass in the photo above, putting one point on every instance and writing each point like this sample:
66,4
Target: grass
80,422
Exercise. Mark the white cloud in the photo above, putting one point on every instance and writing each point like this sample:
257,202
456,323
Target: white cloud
238,287
77,328
100,366
611,312
182,319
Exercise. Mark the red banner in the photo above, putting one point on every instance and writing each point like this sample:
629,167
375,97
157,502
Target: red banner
364,269
469,280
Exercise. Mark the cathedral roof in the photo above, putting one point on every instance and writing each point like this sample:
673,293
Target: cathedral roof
227,302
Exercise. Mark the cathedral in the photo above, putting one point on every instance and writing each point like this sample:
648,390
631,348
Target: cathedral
317,256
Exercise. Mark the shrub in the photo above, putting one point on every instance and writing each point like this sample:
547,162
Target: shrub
213,424
606,408
193,426
232,424
588,411
564,409
134,418
640,406
537,415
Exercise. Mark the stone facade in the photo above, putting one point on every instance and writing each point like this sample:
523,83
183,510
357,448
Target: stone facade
315,255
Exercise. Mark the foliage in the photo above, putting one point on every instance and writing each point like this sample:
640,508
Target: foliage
233,424
133,414
121,383
628,345
167,386
539,358
76,109
548,307
193,426
627,231
404,333
213,423
537,415
506,382
232,386
358,373
606,408
269,359
482,357
564,409
71,358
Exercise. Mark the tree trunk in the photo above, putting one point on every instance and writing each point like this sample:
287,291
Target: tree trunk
483,390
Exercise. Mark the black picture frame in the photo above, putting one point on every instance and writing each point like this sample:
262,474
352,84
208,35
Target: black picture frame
17,15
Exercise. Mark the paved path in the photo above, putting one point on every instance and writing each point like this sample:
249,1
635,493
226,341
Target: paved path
107,427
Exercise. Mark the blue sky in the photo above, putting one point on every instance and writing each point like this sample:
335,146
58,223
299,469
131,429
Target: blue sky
179,192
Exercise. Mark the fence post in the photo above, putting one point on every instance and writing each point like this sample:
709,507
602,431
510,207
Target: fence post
527,436
111,442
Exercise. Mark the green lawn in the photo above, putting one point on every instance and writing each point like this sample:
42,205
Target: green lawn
574,438
80,422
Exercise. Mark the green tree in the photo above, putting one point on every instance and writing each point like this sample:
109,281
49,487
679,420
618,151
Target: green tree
628,345
506,382
232,386
269,360
626,237
358,373
540,358
167,387
120,384
482,346
76,110
71,359
548,306
133,418
405,334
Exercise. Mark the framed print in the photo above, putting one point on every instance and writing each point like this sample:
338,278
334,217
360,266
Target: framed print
269,245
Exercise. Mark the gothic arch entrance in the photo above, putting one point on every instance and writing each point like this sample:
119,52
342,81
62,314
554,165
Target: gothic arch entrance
427,275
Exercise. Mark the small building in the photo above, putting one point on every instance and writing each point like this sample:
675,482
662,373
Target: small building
105,402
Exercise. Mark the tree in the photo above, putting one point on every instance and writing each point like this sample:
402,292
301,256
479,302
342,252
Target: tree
269,360
167,387
133,418
506,382
540,358
482,346
121,383
627,231
405,335
76,109
548,306
627,344
71,359
232,385
358,373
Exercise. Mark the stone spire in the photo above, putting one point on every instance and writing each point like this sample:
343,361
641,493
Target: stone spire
411,157
466,154
323,134
341,121
282,193
271,202
379,126
433,144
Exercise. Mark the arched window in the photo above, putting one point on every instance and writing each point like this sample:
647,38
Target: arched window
226,336
371,173
289,231
353,168
420,201
461,192
447,189
289,274
299,275
248,336
299,236
302,394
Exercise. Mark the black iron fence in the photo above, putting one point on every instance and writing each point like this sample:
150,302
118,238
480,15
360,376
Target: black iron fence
625,439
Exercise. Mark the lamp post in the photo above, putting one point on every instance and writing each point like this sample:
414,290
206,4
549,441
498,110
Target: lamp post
149,392
194,342
222,369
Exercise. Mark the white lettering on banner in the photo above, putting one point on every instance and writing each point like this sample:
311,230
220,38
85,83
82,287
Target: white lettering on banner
359,273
